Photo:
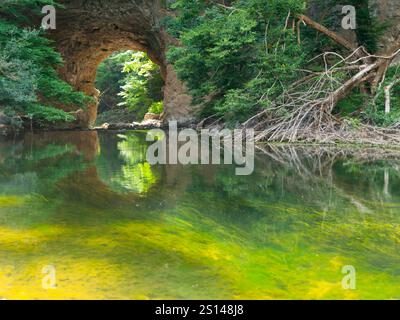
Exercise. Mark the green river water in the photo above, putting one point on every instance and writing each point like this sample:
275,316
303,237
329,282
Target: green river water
113,227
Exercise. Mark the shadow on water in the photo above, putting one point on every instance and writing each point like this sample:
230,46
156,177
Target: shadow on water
116,227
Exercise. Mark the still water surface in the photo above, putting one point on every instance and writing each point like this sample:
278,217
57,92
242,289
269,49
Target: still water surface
114,227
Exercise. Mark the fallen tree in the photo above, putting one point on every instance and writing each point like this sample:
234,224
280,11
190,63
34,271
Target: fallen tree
304,111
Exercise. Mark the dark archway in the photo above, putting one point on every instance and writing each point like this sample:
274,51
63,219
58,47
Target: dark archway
88,31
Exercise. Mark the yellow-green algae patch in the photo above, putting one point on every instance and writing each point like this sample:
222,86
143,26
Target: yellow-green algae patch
11,201
174,258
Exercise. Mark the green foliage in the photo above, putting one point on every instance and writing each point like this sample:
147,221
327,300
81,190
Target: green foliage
376,109
142,85
16,8
29,84
157,108
352,104
130,85
238,57
369,28
231,57
138,70
109,80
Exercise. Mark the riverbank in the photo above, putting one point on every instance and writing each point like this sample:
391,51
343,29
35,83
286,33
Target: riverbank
366,136
362,137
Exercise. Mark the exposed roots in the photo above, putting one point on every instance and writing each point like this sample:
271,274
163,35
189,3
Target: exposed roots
305,111
310,125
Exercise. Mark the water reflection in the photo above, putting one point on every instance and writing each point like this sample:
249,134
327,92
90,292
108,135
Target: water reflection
134,173
116,227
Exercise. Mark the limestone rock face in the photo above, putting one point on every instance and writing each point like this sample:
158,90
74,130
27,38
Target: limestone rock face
88,31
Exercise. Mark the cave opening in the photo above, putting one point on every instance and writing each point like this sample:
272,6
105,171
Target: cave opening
131,88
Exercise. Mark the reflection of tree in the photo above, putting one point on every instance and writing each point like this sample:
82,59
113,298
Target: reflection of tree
36,169
357,174
138,178
134,173
308,185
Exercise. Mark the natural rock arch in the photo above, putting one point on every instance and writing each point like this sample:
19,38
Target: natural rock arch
88,31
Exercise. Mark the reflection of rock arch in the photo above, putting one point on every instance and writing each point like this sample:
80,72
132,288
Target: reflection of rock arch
89,184
89,31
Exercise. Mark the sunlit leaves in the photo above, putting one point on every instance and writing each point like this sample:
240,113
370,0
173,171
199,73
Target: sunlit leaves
143,83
